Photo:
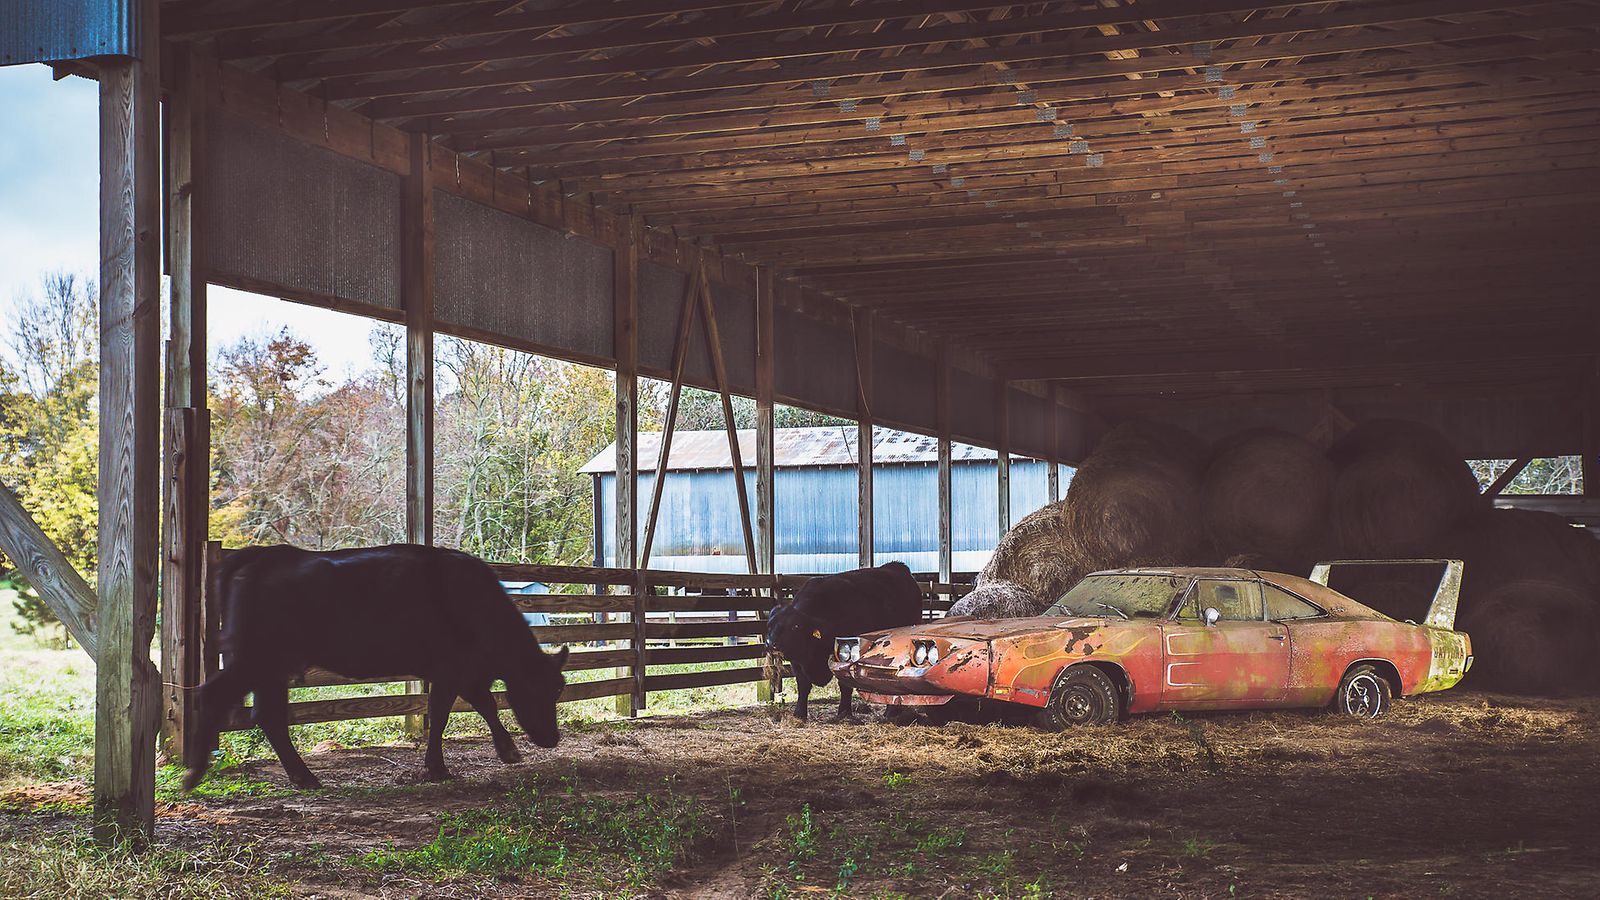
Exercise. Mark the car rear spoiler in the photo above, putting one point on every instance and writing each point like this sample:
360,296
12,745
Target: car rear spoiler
1441,612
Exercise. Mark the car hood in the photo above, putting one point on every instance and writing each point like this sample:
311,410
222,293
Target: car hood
969,629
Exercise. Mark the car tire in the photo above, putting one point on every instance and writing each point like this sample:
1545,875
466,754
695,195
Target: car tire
1082,695
1363,693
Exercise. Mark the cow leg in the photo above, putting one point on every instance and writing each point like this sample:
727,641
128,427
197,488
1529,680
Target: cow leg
272,714
440,701
483,701
803,693
220,693
845,710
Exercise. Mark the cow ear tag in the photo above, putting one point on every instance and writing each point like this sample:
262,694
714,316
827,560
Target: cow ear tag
817,634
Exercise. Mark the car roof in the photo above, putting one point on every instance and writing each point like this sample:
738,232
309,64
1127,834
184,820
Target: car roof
1335,603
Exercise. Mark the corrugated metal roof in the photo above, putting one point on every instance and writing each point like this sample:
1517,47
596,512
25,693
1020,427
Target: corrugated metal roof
55,30
827,445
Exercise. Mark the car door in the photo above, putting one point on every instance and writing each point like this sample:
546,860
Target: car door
1242,660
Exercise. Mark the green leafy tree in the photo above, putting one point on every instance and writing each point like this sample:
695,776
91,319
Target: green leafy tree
49,378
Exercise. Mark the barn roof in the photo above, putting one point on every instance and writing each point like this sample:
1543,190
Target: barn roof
831,445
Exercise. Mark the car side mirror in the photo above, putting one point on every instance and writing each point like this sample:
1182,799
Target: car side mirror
1211,615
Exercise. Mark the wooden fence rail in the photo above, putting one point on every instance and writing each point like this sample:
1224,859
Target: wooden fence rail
643,619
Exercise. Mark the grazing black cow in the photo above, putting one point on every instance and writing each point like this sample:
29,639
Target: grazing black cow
842,605
402,610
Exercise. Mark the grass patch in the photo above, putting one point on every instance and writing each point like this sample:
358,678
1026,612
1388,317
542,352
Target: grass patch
616,843
68,865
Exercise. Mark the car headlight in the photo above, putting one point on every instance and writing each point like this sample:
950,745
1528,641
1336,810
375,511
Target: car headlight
924,653
847,649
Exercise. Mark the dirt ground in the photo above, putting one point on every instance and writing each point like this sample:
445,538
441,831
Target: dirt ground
1465,795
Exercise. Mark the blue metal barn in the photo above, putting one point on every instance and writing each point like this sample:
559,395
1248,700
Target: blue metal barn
815,495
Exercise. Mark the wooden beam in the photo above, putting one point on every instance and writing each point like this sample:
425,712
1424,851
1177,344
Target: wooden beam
48,570
625,347
1498,486
766,462
186,462
941,389
680,355
1052,460
861,327
416,291
127,686
1002,447
719,371
417,299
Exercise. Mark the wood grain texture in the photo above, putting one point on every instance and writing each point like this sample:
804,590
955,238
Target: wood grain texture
127,686
49,571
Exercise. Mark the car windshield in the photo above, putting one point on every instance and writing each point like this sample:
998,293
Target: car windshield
1121,596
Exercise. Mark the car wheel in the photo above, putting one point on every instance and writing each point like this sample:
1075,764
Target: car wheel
1082,695
1363,693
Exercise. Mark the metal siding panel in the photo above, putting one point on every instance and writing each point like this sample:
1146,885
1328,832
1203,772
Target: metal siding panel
286,213
503,274
736,325
1030,488
56,30
661,291
815,362
903,388
972,412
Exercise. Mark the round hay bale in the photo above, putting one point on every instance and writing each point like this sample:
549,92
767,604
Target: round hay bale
1532,637
1399,486
999,600
1136,499
1265,496
1154,442
1039,554
1501,545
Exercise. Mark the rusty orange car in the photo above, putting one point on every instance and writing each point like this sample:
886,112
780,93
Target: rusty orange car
1144,640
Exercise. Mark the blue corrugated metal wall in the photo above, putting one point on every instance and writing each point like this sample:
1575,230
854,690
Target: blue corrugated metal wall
699,526
55,30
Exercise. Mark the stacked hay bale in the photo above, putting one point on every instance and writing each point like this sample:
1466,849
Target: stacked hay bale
1529,600
1033,565
1136,500
1398,487
1264,503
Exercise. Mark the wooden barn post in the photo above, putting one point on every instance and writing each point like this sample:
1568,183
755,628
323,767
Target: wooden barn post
188,453
127,686
416,291
1053,460
766,468
625,346
941,394
1002,454
862,322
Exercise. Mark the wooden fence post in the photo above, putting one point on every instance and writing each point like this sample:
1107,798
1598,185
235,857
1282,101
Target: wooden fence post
941,393
1002,451
865,538
641,591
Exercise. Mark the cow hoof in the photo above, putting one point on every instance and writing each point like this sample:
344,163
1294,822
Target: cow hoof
438,775
508,754
193,777
306,781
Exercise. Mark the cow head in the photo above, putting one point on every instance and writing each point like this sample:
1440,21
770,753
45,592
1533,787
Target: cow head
805,642
533,692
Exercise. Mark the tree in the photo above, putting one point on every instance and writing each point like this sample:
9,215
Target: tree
49,429
297,459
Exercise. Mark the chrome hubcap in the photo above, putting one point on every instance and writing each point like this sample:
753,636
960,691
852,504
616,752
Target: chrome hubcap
1361,698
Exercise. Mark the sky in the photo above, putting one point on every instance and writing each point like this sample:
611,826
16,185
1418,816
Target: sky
49,188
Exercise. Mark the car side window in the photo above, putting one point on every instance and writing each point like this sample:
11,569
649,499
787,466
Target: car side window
1282,605
1237,601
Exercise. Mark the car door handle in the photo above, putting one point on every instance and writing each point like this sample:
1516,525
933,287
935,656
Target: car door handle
1276,637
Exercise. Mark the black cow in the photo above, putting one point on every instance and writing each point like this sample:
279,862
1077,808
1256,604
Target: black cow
842,605
403,610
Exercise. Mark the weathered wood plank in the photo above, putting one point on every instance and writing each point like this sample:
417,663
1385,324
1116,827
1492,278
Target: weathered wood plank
667,656
683,680
680,630
572,603
127,685
49,571
861,326
569,634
